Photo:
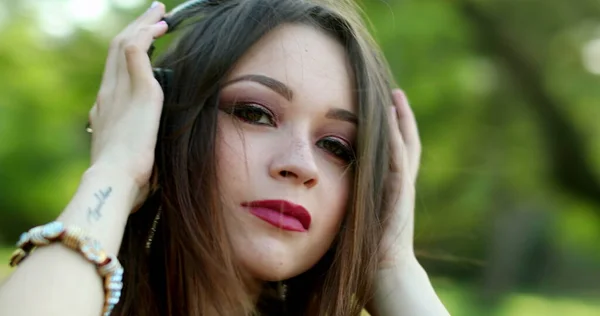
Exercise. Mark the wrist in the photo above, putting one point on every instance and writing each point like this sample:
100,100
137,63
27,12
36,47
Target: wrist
404,289
105,166
101,205
405,268
397,257
104,172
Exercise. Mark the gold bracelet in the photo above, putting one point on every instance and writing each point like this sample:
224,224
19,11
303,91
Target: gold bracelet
108,266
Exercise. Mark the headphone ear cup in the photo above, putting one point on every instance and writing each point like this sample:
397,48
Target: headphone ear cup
165,79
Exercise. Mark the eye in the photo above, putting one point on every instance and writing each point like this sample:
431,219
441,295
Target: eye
337,148
251,113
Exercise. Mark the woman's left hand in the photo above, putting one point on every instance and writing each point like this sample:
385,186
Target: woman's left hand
402,286
405,145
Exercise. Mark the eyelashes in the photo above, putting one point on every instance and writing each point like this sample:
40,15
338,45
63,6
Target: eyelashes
252,113
338,149
255,114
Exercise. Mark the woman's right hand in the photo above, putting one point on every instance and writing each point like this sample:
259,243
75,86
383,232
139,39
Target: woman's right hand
126,115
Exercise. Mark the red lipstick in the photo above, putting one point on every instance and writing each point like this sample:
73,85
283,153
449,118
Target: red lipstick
283,214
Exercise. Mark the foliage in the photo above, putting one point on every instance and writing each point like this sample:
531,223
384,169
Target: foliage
507,99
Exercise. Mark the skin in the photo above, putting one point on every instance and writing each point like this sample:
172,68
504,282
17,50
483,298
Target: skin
402,287
282,157
288,150
125,121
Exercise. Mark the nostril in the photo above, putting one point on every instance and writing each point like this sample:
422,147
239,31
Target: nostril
288,174
310,183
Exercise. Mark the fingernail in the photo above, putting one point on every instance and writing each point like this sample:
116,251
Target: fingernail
398,92
154,4
162,22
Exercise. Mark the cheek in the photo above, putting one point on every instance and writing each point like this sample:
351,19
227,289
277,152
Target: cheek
230,152
230,160
238,163
337,189
335,199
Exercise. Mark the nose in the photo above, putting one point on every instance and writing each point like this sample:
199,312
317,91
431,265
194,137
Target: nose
295,163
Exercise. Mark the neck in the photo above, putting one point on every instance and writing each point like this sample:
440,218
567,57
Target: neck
253,287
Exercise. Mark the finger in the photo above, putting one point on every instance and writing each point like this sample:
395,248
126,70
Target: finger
149,18
91,117
152,15
138,62
93,112
110,75
115,59
397,146
407,122
409,130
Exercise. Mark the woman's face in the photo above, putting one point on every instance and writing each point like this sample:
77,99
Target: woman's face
287,124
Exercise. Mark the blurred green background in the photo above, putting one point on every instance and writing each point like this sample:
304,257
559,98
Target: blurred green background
506,93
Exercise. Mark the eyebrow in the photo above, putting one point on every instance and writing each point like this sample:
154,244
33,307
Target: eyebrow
286,92
268,82
342,115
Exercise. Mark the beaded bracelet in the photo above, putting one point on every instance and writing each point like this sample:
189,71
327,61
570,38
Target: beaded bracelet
75,238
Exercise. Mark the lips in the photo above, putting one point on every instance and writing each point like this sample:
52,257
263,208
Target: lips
280,213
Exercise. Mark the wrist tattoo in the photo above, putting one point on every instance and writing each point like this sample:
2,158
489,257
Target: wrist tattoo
94,213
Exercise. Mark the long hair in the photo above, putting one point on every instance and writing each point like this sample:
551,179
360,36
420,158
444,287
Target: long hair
190,268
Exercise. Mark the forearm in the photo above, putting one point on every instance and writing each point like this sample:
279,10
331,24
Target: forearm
55,280
405,290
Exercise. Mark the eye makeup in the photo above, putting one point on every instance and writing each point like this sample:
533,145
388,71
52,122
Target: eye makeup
251,113
255,105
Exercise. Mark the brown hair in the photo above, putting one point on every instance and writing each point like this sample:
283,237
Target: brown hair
189,269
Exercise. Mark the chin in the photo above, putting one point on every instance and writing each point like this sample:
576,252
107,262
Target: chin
269,258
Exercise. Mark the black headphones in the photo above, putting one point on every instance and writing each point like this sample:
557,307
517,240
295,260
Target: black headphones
173,20
164,76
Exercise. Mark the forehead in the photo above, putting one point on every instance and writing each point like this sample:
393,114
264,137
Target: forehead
309,61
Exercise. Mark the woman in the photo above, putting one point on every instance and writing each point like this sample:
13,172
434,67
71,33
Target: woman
274,176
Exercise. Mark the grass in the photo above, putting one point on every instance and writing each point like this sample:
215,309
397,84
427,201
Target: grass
4,258
462,300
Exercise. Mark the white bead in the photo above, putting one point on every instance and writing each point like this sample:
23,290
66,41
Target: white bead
115,286
116,278
53,230
115,294
23,239
36,237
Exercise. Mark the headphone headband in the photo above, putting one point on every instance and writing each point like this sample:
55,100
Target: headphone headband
172,16
183,7
162,75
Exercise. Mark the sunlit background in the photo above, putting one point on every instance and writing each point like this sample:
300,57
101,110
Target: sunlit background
507,95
